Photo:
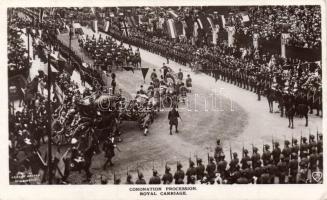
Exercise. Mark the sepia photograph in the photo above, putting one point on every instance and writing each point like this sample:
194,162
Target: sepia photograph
165,95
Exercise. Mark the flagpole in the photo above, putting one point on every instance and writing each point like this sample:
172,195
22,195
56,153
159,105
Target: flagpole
49,122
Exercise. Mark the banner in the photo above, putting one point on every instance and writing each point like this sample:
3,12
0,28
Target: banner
106,26
231,33
284,40
223,21
215,31
144,72
171,28
255,40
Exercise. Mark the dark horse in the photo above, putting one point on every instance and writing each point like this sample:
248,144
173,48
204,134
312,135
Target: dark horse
292,109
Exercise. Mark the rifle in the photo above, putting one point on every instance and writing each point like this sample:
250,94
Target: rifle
137,169
208,158
284,140
243,150
272,141
196,157
230,152
263,147
292,140
252,148
301,138
153,165
190,159
309,135
317,135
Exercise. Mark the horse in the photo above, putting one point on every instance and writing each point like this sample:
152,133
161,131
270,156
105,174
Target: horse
136,60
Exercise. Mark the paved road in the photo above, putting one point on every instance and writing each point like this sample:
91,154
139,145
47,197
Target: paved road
237,118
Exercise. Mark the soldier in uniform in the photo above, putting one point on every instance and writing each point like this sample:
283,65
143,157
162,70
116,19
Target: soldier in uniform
153,75
180,75
221,167
218,151
191,171
266,156
140,180
312,143
265,176
256,162
276,153
155,179
129,180
287,151
243,178
173,116
245,160
167,178
179,174
295,147
199,169
313,159
282,169
293,165
211,170
304,148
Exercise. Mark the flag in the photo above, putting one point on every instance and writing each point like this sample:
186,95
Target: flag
125,28
93,11
195,30
245,16
144,72
129,69
161,22
211,22
95,26
179,28
41,15
200,25
171,28
172,13
106,26
223,21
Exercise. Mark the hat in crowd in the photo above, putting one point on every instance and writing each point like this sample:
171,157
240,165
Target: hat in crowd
74,141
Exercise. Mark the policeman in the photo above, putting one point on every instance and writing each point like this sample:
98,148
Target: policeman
191,171
211,169
140,180
155,179
276,153
179,174
218,151
129,180
199,169
173,116
167,178
256,162
245,159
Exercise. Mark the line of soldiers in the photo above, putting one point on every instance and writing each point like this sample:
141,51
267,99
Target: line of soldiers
293,164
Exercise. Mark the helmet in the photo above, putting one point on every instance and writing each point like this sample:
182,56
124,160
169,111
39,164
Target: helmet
155,172
287,142
245,151
191,163
234,154
218,141
255,149
140,175
312,137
